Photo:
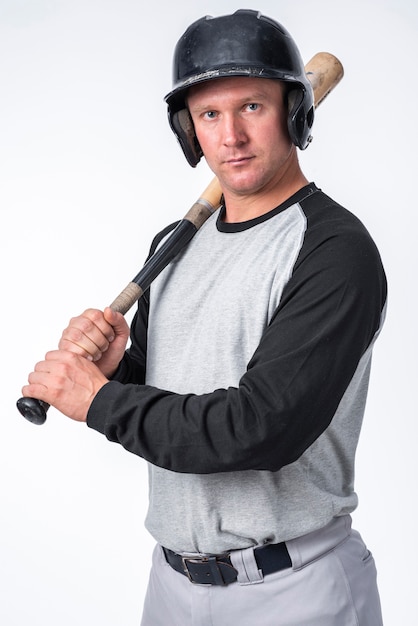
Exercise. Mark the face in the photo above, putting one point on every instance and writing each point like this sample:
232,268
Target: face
241,125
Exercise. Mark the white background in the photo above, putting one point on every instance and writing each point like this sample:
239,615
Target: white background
89,171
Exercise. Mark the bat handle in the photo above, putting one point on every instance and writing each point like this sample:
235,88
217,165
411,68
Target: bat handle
33,410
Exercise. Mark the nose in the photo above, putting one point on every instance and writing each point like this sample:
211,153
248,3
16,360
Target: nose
233,131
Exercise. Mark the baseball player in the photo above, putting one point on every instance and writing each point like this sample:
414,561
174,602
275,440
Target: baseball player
245,380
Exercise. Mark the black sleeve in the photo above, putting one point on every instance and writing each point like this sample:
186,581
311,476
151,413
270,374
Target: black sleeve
327,317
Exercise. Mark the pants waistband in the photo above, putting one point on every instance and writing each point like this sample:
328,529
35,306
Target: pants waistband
248,566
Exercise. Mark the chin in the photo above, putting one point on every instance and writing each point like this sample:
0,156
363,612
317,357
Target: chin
241,181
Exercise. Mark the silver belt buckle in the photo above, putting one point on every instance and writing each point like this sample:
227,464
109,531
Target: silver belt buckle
186,568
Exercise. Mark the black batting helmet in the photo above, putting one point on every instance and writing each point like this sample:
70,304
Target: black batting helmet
245,43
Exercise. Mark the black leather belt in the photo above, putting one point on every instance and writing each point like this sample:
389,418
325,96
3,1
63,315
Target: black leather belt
218,569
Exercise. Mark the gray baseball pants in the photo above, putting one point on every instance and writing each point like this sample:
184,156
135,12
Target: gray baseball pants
332,582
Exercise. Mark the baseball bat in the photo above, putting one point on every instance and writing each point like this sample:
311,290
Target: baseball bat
324,72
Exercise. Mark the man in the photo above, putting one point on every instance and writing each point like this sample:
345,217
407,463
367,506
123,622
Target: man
245,382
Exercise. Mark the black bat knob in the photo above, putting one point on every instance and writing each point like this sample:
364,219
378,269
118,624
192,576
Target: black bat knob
34,410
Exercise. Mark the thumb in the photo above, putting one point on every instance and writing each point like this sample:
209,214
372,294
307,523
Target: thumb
117,321
111,358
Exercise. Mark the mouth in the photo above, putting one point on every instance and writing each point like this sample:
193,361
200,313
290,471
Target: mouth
237,161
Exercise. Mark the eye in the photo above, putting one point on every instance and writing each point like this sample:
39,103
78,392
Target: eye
210,115
253,106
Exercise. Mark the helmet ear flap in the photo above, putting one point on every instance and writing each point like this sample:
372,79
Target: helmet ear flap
299,121
182,124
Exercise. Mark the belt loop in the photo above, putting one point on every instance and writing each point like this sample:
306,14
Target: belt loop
246,566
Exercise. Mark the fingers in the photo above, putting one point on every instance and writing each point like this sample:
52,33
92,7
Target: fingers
67,381
88,335
99,336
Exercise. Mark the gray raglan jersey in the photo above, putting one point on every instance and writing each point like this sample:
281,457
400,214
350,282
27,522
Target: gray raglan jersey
257,359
